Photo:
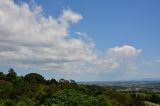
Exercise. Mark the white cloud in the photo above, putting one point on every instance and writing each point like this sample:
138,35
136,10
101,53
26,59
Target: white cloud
125,50
82,34
70,16
29,39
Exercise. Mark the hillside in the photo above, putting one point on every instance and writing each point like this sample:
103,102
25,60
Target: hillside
33,90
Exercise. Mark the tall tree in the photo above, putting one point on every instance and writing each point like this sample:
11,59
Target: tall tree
11,76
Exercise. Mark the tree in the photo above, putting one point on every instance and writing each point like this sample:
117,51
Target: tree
73,82
24,101
21,87
52,81
63,81
5,89
34,78
155,98
2,76
11,76
104,101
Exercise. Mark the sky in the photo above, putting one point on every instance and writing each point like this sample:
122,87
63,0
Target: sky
107,40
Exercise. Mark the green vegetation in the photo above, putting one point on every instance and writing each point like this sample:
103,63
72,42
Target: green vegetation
33,90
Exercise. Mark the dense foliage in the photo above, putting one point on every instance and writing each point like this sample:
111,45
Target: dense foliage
33,90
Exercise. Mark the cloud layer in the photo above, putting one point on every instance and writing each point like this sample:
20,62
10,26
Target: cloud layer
29,39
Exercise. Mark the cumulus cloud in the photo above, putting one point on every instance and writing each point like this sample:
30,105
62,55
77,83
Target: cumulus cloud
29,39
125,50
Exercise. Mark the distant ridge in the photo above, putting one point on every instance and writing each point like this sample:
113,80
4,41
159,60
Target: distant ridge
150,79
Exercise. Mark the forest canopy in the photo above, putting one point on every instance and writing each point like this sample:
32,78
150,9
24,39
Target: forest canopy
34,90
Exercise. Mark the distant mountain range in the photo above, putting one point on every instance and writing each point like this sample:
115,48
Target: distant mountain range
150,79
145,83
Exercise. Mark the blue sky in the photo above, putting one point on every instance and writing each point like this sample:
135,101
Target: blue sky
112,22
112,33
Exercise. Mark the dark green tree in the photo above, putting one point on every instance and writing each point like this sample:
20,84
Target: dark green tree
155,98
21,87
11,76
34,78
5,89
51,82
2,76
73,82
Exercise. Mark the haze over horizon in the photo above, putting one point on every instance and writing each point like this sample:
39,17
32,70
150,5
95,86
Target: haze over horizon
81,40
